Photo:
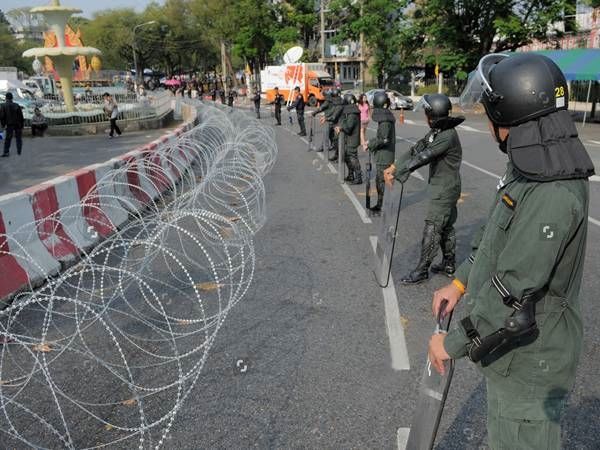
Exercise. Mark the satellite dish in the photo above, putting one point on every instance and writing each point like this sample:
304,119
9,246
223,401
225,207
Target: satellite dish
293,55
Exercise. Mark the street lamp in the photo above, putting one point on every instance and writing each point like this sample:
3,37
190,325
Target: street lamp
137,72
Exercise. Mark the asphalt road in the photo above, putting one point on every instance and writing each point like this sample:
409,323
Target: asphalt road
52,156
315,329
316,334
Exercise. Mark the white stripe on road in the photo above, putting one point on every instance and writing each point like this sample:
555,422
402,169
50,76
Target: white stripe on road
590,218
361,211
487,172
331,168
471,129
402,437
595,178
594,142
398,350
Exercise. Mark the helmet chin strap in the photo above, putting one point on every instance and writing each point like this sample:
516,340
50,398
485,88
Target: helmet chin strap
502,144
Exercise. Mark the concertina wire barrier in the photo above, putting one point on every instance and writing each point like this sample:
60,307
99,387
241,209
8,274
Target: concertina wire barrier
106,352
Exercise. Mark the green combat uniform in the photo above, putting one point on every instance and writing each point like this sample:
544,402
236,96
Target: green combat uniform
383,148
332,116
528,261
325,109
442,151
350,126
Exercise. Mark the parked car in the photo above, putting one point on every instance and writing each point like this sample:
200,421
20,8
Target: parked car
397,100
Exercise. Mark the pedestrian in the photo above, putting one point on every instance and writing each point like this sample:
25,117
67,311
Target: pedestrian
383,147
11,119
213,94
230,97
523,323
256,100
333,116
112,111
222,96
363,106
442,151
350,126
324,108
277,102
39,124
298,105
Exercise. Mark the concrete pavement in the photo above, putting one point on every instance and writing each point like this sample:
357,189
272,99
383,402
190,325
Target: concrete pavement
52,156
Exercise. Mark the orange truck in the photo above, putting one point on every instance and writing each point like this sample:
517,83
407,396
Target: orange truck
312,79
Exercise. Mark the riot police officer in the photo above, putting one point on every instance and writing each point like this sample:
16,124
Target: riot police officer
298,105
523,324
324,108
441,150
332,116
383,147
350,126
277,101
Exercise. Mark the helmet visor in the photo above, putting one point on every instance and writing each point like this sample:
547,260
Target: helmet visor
478,82
422,105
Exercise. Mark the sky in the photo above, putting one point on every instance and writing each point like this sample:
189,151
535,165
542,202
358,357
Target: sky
88,6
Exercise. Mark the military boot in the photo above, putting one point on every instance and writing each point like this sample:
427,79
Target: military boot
376,210
334,157
448,264
357,179
349,177
429,246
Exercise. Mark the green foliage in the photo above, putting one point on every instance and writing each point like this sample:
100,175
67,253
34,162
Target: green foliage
381,24
11,50
431,89
456,33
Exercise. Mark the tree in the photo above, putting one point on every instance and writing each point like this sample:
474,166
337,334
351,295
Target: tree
11,49
380,22
456,33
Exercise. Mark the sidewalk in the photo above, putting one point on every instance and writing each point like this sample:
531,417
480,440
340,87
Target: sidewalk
49,157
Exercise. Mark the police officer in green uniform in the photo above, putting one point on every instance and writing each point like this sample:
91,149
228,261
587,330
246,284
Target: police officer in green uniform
383,147
523,324
324,108
333,116
441,150
350,126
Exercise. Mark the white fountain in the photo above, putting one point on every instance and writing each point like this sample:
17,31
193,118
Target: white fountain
62,56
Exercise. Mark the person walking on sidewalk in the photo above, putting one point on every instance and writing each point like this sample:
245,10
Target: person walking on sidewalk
11,119
112,111
364,108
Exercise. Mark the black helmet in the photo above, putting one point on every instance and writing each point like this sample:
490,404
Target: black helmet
349,99
335,92
519,88
327,93
436,106
9,96
381,100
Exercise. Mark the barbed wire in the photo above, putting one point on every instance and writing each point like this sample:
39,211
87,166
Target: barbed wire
106,352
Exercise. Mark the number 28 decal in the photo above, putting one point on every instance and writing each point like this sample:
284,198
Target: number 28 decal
559,91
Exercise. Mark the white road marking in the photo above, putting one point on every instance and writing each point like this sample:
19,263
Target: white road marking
331,168
471,129
487,172
361,211
593,142
398,350
402,436
595,178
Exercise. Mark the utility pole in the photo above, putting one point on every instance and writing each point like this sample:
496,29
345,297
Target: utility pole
322,14
224,65
139,76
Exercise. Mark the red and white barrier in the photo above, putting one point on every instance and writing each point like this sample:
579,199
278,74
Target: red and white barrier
48,226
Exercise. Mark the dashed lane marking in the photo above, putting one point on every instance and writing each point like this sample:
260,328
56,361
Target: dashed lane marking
402,437
398,349
471,129
361,211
